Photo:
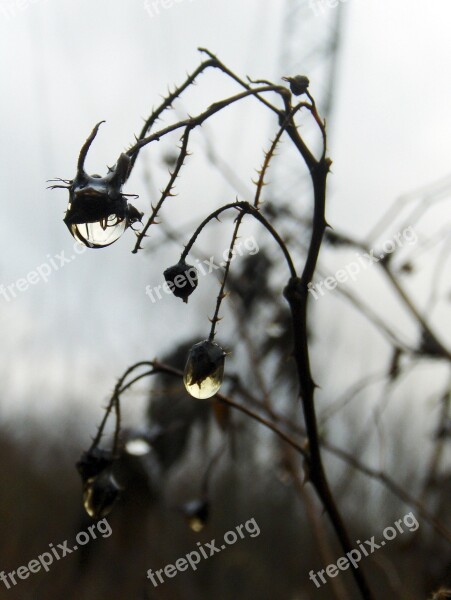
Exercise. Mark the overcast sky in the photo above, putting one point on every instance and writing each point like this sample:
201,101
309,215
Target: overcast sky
68,64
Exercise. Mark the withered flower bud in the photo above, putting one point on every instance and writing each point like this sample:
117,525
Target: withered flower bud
93,462
182,279
298,84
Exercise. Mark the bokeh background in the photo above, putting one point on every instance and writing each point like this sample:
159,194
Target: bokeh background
380,70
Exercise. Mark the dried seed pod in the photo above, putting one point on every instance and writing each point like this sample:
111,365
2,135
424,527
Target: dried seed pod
204,370
181,279
99,494
298,84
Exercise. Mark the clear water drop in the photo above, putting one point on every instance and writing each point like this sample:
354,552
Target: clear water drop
100,233
99,495
204,370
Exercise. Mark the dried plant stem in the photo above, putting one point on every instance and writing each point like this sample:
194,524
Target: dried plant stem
222,294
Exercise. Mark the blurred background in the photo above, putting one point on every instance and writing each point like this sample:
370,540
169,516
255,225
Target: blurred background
380,74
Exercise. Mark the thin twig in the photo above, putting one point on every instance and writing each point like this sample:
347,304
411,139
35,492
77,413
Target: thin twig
221,294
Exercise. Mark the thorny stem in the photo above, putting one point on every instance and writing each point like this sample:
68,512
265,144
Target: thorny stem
118,389
317,524
296,290
296,293
255,213
167,103
190,124
168,190
246,208
214,215
270,153
221,294
202,117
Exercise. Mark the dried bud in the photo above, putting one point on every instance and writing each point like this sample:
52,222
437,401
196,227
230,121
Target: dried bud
204,370
93,462
182,279
298,84
99,494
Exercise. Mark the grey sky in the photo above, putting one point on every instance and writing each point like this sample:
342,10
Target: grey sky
67,64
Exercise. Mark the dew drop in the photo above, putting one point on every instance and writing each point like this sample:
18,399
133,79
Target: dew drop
204,370
100,233
99,495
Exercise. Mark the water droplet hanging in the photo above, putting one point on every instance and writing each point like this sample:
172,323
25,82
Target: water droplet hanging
204,370
98,212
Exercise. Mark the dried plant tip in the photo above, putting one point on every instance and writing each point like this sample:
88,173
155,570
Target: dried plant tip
204,370
99,494
298,84
181,279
